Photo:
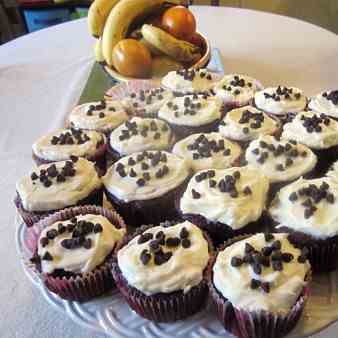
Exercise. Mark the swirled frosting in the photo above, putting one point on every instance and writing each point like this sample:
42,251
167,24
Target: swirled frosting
237,89
281,100
61,144
282,287
100,116
207,151
308,206
325,103
280,160
312,129
147,102
247,123
141,134
59,248
192,110
189,80
182,271
234,196
58,193
145,175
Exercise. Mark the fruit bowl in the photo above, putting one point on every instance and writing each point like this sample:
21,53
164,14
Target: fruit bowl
201,63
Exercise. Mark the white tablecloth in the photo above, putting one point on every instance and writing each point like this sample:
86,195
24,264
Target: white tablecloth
41,78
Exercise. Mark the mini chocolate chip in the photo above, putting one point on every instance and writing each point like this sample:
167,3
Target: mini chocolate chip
279,167
265,287
255,284
288,162
226,152
302,259
266,251
212,183
172,241
195,194
248,248
161,258
145,238
184,233
146,176
233,194
44,241
277,265
97,228
186,243
51,234
141,182
257,268
157,136
87,244
308,213
47,256
34,176
287,257
145,257
131,161
245,130
61,228
47,183
330,198
144,166
276,245
255,151
154,245
293,196
268,237
236,261
237,175
263,144
247,191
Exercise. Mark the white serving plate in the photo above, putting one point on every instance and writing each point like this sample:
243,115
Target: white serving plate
111,315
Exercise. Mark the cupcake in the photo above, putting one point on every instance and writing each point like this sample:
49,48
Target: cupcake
189,80
227,202
143,186
307,209
192,114
237,90
325,103
102,116
146,103
259,285
282,161
319,133
248,123
160,271
74,251
208,151
61,144
55,186
137,135
281,101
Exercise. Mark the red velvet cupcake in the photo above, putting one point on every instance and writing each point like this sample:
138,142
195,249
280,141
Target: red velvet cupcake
55,186
160,271
74,250
259,285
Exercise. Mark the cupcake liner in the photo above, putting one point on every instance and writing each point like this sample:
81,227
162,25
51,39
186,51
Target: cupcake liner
255,324
326,157
161,307
323,253
80,287
32,217
156,210
98,158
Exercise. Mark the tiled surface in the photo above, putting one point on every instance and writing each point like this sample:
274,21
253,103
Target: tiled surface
323,13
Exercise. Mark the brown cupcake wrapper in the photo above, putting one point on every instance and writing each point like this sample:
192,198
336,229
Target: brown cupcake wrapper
156,210
161,307
32,217
323,253
255,324
81,287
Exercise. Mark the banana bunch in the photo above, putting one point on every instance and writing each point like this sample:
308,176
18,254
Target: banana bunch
111,21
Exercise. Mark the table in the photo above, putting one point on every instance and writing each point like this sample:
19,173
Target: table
41,78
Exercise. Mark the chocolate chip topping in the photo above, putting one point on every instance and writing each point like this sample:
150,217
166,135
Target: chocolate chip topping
283,93
73,136
331,96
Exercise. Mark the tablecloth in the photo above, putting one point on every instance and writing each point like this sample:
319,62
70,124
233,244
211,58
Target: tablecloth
41,78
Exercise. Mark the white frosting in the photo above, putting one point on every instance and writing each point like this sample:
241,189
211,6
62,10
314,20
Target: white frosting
300,166
240,94
176,82
291,105
138,142
324,221
44,149
80,259
217,160
114,115
326,138
231,128
149,101
127,189
36,197
219,206
183,271
210,111
234,282
321,104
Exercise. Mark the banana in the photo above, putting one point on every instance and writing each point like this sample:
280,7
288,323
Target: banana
98,14
120,19
179,50
98,51
162,65
153,50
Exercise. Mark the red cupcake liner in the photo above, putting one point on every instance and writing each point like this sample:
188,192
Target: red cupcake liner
80,287
156,210
32,217
323,253
255,324
98,158
161,307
